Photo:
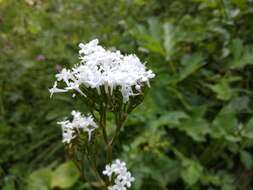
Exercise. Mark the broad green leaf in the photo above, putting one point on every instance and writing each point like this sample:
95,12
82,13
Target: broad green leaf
150,37
172,118
247,130
40,180
227,122
211,178
65,175
155,28
242,55
197,129
165,170
228,181
155,47
191,172
238,105
225,126
237,48
222,90
246,159
240,3
169,40
9,185
190,63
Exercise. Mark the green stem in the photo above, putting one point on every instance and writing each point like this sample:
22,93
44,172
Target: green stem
208,155
86,152
102,124
119,125
109,153
2,102
95,171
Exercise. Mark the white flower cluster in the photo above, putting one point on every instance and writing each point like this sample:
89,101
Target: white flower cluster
103,68
123,178
79,122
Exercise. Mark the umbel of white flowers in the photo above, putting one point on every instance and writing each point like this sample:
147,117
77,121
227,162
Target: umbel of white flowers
103,69
79,124
123,177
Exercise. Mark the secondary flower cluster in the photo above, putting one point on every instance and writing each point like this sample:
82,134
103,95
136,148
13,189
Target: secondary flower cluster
123,178
103,69
79,122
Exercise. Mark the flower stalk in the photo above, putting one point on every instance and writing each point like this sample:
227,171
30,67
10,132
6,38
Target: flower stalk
109,82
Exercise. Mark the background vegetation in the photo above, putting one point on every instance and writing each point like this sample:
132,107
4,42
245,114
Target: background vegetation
194,129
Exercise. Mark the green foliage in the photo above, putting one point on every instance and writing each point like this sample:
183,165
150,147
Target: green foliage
194,129
40,179
64,176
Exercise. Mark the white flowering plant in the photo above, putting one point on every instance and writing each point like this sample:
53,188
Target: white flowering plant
109,83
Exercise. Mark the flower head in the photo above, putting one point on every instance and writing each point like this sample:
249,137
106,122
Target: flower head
123,178
103,69
79,122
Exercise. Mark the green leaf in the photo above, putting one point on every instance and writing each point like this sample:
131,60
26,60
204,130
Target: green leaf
150,37
225,126
222,90
191,172
247,131
237,48
242,55
240,3
40,180
65,175
172,118
190,63
197,129
165,170
238,105
155,28
9,185
246,159
169,40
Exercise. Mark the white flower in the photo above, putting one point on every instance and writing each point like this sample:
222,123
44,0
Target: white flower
79,122
65,75
119,166
126,179
123,178
108,170
118,186
108,69
56,90
67,136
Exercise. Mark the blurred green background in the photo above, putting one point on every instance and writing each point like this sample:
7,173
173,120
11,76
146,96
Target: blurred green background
194,130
